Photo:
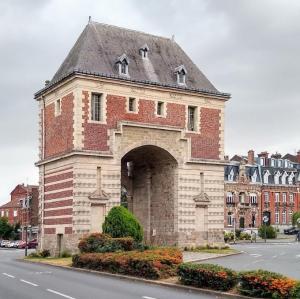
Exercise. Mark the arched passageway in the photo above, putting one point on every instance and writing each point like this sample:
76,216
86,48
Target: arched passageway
149,190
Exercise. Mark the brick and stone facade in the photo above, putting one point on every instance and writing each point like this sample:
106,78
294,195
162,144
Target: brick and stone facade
173,177
261,186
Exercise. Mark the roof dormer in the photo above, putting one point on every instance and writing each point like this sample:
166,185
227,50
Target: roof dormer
144,51
181,72
123,63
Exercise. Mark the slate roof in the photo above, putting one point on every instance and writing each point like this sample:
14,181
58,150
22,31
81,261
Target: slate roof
99,46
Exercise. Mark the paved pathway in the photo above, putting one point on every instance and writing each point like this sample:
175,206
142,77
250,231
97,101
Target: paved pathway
283,257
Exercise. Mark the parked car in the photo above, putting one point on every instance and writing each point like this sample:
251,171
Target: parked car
291,230
4,243
30,245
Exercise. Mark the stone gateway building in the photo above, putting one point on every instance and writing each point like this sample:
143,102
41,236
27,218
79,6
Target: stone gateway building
129,117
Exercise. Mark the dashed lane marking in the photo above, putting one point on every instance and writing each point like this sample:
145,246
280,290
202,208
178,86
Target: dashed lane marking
8,275
30,283
146,297
255,255
60,294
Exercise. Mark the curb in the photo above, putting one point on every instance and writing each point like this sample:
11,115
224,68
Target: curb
153,282
214,257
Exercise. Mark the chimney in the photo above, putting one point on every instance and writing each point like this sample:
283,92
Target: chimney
251,157
226,157
298,156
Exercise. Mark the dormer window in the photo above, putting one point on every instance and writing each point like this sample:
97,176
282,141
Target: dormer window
283,178
231,176
144,51
181,75
262,161
276,178
273,162
291,178
254,177
123,63
266,177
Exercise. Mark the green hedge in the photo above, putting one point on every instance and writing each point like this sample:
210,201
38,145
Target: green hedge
265,284
121,223
98,242
152,264
207,276
270,232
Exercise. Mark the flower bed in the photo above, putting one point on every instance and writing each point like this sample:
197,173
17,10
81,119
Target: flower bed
152,264
207,276
265,284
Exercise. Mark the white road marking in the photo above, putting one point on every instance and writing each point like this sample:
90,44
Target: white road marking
28,282
60,294
8,275
255,255
298,256
146,297
274,256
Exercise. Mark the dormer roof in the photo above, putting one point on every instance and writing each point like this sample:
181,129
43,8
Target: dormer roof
98,46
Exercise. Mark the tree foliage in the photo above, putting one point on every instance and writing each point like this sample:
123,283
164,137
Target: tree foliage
121,223
296,216
6,229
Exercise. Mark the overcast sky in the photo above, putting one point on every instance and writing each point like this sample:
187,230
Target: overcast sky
248,48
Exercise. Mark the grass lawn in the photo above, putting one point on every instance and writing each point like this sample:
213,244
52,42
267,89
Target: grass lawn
63,261
216,251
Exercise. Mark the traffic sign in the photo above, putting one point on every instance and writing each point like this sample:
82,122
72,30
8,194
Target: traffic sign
265,219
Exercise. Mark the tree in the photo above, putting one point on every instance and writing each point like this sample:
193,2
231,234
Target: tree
5,228
121,223
295,218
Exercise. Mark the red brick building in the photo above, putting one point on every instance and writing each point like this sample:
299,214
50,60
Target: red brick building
22,208
262,186
129,110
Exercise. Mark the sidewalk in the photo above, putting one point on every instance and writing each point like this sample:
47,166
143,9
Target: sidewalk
191,256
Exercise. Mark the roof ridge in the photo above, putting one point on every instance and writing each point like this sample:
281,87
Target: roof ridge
132,30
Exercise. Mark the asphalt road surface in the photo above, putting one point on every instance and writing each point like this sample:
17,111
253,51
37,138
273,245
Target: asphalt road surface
19,280
283,258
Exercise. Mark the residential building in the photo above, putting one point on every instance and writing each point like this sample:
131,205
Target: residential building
23,209
130,111
261,186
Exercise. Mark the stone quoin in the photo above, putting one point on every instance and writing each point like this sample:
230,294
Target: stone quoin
129,119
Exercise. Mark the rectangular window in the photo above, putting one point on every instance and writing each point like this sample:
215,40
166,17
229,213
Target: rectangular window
58,107
284,197
291,198
290,216
262,161
229,219
2,213
277,217
131,104
283,217
191,118
160,108
7,214
15,213
96,106
266,200
277,197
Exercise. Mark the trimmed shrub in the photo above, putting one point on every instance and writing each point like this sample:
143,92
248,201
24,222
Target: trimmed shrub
265,284
101,243
245,236
207,276
45,253
295,293
228,236
152,264
34,254
295,217
121,223
66,253
270,232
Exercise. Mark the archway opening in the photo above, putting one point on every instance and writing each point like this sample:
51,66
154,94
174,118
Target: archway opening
149,190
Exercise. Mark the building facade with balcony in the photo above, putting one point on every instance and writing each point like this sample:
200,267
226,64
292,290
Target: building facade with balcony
261,186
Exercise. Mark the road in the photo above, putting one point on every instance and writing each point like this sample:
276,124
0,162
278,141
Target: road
19,280
278,257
